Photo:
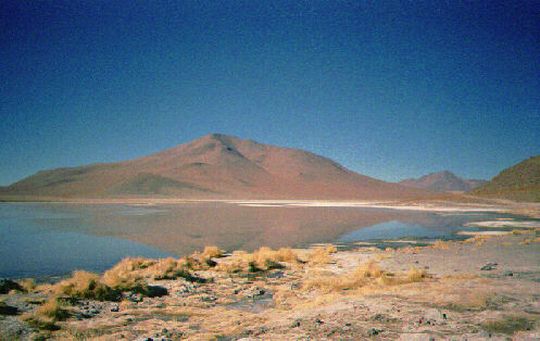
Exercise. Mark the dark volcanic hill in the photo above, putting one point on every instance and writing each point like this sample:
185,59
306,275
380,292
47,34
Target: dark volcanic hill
214,166
444,181
520,182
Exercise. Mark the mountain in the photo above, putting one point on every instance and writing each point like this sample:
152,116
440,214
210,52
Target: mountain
444,181
214,166
520,182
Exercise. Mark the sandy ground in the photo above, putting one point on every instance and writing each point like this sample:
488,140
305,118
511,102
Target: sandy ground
485,288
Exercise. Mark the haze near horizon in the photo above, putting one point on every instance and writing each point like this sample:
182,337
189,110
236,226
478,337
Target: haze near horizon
390,90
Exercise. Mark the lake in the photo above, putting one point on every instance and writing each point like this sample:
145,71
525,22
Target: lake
45,240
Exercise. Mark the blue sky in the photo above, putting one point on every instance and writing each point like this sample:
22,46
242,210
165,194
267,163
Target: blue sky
389,89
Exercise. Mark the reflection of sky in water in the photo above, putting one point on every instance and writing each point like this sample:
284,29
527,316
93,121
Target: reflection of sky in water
27,249
55,239
397,229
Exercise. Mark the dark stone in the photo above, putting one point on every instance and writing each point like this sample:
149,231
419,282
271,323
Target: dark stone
508,273
295,324
276,274
115,308
6,285
7,309
489,267
156,291
374,331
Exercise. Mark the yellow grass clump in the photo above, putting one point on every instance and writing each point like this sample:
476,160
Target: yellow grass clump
126,275
357,278
321,255
415,275
477,240
52,309
369,273
440,245
530,240
212,252
28,284
262,259
85,284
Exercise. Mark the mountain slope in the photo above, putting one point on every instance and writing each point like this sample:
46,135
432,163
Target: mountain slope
214,166
520,182
444,181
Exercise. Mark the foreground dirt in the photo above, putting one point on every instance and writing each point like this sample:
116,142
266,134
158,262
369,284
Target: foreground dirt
480,289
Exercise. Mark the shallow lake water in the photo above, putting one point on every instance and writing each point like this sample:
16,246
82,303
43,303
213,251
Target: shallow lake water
43,240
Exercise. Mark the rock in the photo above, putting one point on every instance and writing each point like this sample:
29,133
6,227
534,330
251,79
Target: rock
508,273
6,285
256,291
7,309
489,267
115,308
156,291
276,274
374,331
135,297
432,316
208,298
295,324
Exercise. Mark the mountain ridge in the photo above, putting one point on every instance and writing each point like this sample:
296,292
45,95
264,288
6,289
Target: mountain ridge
216,166
520,182
443,181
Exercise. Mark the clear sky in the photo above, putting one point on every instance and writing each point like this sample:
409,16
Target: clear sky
389,89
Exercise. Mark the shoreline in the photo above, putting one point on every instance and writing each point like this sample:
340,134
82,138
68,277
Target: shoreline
529,209
484,287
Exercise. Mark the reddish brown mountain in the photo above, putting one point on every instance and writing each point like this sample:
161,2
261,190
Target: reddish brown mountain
444,181
520,182
214,166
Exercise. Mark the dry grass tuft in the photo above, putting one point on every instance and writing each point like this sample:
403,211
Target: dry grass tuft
127,274
369,273
28,284
261,260
521,232
321,255
440,245
415,275
46,316
87,285
509,325
530,240
212,252
357,278
52,309
477,240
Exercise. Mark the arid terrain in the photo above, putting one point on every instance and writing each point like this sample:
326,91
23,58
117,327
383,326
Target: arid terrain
214,166
487,286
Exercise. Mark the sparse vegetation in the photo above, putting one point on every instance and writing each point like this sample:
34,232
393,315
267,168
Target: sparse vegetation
212,252
27,284
86,285
321,255
262,259
440,245
369,273
509,325
202,311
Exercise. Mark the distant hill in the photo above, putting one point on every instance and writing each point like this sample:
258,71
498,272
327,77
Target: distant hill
214,166
444,181
520,182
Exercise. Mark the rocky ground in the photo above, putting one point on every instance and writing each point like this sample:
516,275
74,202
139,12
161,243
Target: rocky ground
483,288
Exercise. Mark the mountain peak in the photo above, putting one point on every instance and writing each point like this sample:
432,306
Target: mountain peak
443,181
216,166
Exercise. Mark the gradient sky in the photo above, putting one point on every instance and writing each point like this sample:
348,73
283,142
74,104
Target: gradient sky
389,89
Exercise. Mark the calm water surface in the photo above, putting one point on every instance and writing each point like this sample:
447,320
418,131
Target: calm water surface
41,240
